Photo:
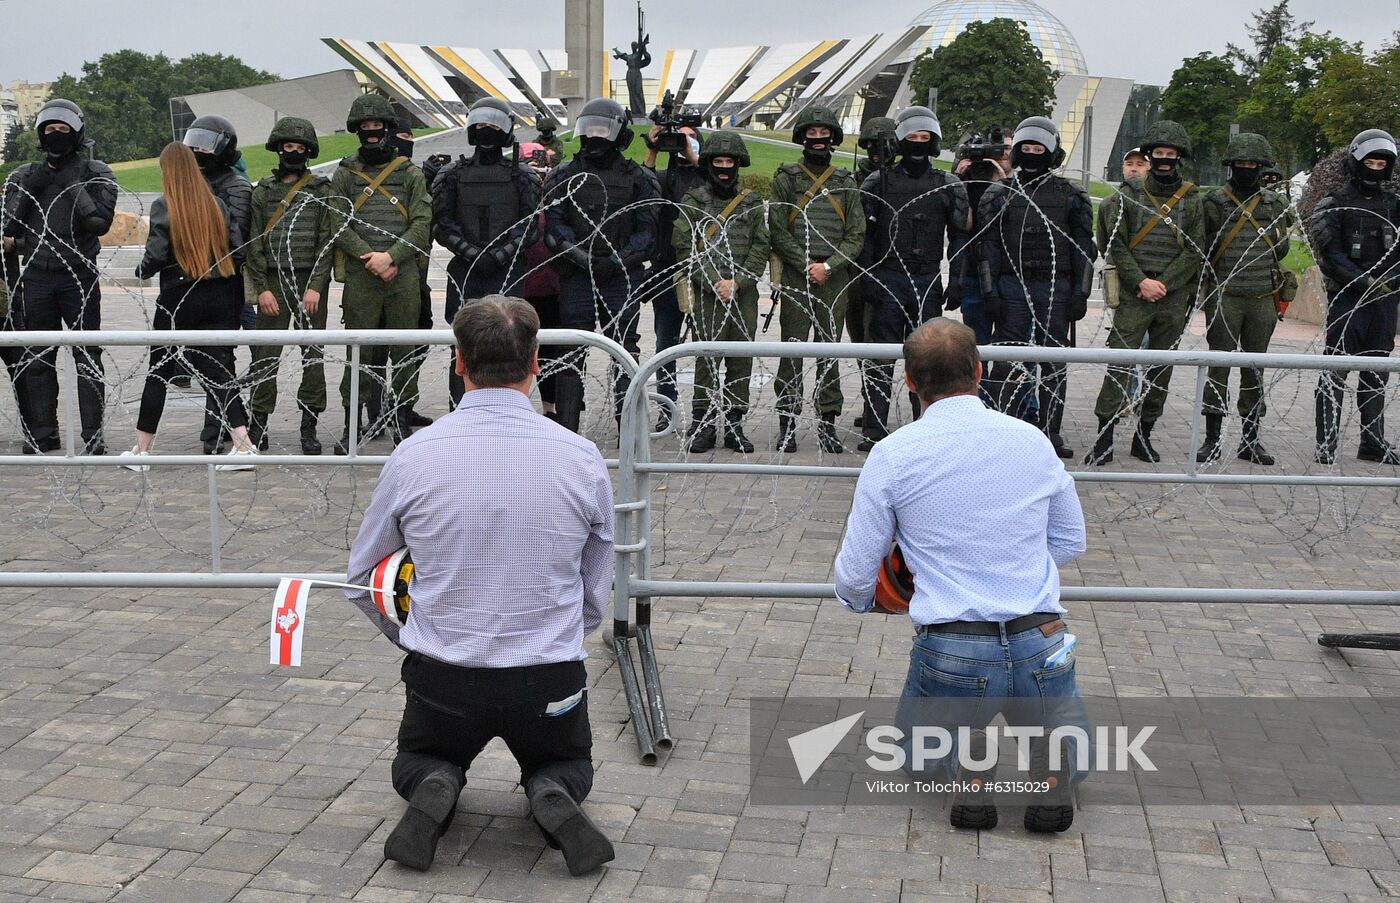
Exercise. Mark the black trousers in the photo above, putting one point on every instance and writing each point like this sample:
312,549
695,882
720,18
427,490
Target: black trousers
51,300
199,306
216,425
547,307
451,713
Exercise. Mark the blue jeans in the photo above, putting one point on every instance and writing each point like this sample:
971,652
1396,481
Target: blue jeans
984,673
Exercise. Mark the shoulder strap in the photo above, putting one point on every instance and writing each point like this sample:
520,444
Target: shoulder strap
1163,214
285,204
1246,216
818,182
727,212
377,184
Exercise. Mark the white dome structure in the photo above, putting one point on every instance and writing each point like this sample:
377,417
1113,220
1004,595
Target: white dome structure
946,20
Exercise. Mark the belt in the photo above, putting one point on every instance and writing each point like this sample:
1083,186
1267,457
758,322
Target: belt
1047,621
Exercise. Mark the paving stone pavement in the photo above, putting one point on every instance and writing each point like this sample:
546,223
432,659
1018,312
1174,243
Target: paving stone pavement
149,753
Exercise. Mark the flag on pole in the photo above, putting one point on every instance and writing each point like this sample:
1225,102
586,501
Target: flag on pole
288,621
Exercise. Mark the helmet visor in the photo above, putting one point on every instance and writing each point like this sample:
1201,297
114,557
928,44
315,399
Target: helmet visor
1377,145
1036,135
491,116
206,140
59,114
920,123
598,127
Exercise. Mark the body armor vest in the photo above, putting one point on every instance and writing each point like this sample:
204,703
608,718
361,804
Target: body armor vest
488,202
818,228
911,223
1162,245
1034,229
1247,264
1369,226
297,239
379,222
595,197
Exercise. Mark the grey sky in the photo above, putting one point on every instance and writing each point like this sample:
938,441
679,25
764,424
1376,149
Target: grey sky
267,34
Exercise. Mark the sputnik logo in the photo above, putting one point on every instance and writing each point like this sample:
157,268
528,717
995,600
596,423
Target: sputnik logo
811,749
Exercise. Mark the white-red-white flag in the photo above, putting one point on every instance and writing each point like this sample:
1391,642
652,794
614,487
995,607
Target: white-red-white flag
289,621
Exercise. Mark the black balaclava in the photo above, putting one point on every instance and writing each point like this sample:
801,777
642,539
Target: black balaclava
817,151
293,161
490,144
1165,171
724,181
914,155
598,151
1369,180
59,146
403,146
207,162
1245,180
1033,166
379,152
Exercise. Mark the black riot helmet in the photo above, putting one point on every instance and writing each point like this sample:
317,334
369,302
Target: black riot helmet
917,119
214,138
492,112
1037,130
60,145
602,128
1371,143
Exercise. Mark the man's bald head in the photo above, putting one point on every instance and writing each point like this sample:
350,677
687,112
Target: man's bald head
941,359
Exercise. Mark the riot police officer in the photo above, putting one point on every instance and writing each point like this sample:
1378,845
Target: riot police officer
1156,242
1354,232
483,213
881,148
913,212
1247,227
1039,254
54,213
721,244
602,226
817,225
215,145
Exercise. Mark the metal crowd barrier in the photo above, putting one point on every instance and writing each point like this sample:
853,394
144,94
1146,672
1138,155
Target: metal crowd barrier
634,584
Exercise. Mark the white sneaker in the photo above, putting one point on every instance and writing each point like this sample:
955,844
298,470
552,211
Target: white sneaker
242,463
136,466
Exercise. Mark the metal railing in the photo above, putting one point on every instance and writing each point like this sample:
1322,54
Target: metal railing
634,584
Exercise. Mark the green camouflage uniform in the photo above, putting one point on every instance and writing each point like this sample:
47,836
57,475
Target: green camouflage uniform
291,259
813,312
404,231
1170,253
710,252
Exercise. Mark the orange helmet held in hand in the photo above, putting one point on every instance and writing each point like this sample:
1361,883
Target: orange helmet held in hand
894,586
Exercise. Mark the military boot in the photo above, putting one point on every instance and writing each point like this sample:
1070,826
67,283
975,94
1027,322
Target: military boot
1251,449
703,435
1373,444
343,446
734,438
1142,443
1102,452
826,435
787,433
257,430
310,445
1328,413
1209,452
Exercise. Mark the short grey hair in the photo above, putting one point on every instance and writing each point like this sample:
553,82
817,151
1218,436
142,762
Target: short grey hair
497,337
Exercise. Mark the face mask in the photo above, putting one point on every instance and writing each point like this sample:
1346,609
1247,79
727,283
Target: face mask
817,149
58,144
377,152
207,162
598,150
293,161
1164,169
1369,176
725,180
1244,179
403,146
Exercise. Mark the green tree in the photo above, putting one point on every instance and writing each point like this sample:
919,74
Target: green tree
1280,103
1354,93
990,74
201,72
1273,27
1204,93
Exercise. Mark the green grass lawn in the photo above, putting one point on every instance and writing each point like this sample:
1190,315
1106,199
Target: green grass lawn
144,175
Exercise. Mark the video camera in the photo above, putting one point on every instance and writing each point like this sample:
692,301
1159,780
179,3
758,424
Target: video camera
671,140
991,146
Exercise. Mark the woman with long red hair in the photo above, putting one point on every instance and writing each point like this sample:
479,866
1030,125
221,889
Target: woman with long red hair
189,248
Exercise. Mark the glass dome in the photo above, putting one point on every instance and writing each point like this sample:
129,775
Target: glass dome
947,19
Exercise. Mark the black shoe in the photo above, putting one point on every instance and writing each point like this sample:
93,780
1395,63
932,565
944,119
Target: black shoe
1061,449
1324,455
180,382
216,446
787,433
1255,453
40,446
551,415
1209,452
310,445
257,430
1102,452
584,846
1142,444
702,437
663,420
826,435
1383,453
973,809
859,422
400,428
414,840
866,443
1055,810
343,446
95,447
417,420
735,440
